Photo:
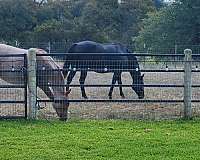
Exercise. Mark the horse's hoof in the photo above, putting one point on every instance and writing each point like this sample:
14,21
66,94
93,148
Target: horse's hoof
110,97
85,97
63,119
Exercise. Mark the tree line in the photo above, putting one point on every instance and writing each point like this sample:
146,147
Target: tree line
139,24
177,24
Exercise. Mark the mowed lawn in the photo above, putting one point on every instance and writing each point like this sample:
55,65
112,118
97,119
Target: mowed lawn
108,139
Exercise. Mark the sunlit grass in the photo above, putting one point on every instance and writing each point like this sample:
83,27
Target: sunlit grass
99,140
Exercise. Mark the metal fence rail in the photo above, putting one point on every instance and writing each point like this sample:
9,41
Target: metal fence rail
166,61
13,96
163,82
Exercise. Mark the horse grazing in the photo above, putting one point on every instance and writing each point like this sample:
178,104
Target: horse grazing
43,78
103,58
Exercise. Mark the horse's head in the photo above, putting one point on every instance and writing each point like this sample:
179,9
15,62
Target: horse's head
61,105
138,85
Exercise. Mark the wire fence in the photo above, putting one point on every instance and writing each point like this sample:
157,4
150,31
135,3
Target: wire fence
163,89
13,86
163,83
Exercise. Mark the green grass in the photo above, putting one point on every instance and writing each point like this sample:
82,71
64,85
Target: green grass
99,140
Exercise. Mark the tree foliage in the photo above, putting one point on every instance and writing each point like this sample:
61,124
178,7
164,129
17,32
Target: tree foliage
71,21
17,19
177,24
145,24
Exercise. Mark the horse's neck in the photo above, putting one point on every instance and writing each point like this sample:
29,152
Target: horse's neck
55,78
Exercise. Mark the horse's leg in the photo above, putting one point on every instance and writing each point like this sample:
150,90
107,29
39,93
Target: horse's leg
114,79
70,78
82,81
65,68
120,87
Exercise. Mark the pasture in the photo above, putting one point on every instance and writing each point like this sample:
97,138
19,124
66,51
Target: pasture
91,139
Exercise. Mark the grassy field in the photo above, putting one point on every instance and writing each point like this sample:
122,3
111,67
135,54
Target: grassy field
111,139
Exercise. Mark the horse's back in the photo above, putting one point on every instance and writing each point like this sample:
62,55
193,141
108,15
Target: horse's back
85,50
17,63
92,54
86,47
84,54
7,49
94,48
10,63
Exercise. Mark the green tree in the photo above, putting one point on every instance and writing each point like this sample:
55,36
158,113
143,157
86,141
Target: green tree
72,21
54,22
16,19
176,24
116,22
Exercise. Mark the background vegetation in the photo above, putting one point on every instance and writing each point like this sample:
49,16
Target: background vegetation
143,25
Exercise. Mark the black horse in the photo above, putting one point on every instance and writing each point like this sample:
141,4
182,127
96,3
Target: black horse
103,58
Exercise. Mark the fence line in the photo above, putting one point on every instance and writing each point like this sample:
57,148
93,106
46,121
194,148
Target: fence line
187,100
16,102
187,85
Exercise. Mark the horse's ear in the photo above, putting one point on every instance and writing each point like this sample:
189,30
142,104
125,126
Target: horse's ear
67,92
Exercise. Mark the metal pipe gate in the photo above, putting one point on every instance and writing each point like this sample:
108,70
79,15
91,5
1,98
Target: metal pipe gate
13,97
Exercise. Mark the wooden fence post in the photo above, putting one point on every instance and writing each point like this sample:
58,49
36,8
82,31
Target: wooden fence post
32,92
187,83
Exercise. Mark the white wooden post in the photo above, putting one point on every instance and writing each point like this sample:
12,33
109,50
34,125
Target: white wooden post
188,84
32,92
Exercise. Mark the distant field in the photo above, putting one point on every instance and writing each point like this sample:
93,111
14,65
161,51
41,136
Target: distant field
99,140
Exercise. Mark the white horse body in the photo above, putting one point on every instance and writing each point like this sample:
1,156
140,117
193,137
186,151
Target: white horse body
43,78
11,63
